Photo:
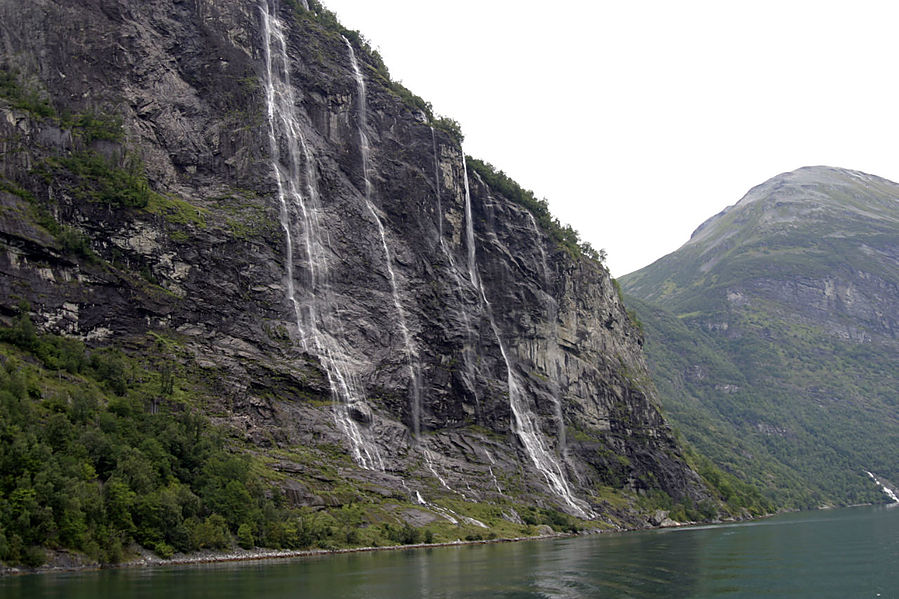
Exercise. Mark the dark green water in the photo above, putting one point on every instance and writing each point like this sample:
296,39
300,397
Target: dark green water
850,553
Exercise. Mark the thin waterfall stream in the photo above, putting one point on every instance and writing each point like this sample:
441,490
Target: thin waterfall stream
886,490
315,311
552,349
409,347
468,348
523,420
317,320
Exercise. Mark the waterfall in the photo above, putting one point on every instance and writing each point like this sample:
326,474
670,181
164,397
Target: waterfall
409,348
469,229
437,187
887,491
552,345
315,312
525,426
448,514
524,423
468,349
429,462
314,305
490,469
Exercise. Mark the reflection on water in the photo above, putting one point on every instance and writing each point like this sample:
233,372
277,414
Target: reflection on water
842,553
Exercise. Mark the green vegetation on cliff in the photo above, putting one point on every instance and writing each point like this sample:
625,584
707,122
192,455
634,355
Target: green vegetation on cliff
564,235
327,20
22,97
101,448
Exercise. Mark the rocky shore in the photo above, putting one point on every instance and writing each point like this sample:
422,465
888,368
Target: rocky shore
64,561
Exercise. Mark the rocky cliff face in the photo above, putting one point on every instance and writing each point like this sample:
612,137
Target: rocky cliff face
237,182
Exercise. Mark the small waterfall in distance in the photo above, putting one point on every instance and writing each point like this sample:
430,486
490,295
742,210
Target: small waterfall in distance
887,491
411,353
316,318
524,422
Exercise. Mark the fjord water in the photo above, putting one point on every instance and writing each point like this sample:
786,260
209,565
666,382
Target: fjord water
840,553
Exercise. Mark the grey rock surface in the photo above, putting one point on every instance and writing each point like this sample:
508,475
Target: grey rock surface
208,267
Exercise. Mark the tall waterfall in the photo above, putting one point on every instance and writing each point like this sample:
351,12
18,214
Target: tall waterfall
553,367
468,357
469,229
317,322
411,353
437,187
524,422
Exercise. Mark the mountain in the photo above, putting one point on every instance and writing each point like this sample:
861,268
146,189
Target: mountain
252,290
772,335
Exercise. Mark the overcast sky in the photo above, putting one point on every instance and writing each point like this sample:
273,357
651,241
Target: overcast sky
639,120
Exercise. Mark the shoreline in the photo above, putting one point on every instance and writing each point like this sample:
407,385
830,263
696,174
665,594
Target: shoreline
151,560
148,559
246,555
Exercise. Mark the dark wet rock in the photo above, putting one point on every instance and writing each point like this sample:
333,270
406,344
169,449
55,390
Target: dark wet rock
208,267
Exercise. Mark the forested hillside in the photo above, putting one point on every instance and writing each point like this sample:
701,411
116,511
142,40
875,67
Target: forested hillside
772,335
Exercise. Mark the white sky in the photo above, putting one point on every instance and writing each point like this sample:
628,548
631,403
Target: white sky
638,120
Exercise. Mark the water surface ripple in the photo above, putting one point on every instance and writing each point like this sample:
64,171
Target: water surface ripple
840,553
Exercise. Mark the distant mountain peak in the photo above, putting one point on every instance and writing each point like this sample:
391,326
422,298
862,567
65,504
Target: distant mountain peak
787,303
799,193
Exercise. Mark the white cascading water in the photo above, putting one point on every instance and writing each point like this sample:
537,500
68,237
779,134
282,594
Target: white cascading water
523,420
469,229
448,514
299,219
490,469
429,461
888,491
411,353
437,185
552,345
468,357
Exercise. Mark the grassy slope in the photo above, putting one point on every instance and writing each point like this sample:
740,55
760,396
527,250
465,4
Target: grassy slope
750,418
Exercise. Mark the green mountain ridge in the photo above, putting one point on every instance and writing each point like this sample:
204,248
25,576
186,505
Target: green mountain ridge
772,335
